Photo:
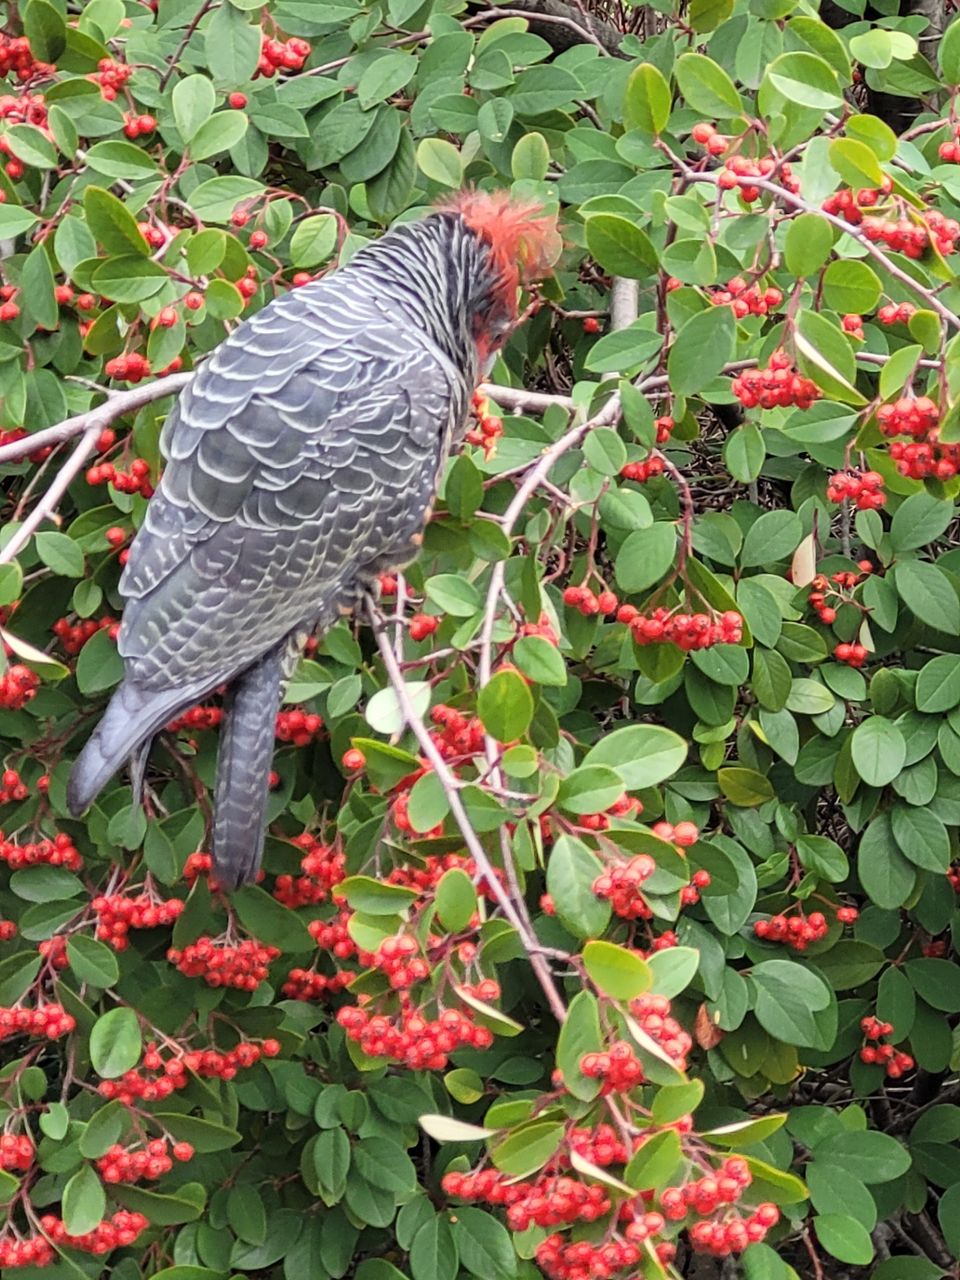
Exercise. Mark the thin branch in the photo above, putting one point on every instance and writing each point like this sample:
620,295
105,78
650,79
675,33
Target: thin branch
470,838
538,15
116,404
51,499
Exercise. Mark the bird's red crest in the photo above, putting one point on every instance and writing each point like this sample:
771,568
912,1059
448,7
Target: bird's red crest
522,236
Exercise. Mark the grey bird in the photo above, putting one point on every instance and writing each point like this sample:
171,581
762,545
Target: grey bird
301,462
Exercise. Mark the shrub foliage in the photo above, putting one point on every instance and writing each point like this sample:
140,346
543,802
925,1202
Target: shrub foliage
609,918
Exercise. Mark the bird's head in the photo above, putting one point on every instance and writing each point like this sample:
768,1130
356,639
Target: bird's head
518,242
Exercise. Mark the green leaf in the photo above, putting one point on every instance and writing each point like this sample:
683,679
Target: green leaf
384,713
918,520
31,146
485,1245
646,104
673,970
772,536
707,88
231,46
203,1135
616,971
269,921
655,1162
826,356
623,349
60,553
808,244
84,1202
385,76
744,787
505,706
540,661
128,279
92,961
644,755
99,666
14,220
571,871
938,684
528,1148
579,1035
590,789
453,594
788,995
704,343
433,1251
45,28
921,837
855,162
929,594
440,161
936,981
314,240
530,158
222,131
806,80
112,223
851,286
844,1238
115,1043
645,556
121,160
948,53
193,100
161,1210
620,246
456,899
865,1154
878,751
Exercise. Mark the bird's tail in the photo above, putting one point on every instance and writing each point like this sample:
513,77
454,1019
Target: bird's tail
132,718
247,740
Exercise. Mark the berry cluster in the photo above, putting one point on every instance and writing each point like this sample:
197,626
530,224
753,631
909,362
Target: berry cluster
912,238
136,480
591,324
131,367
686,630
950,151
54,951
747,300
17,686
863,488
489,426
852,324
281,55
706,134
122,1165
399,959
20,433
703,1196
621,886
796,932
323,867
599,1145
642,471
618,1068
927,459
303,984
8,930
894,314
58,852
690,893
243,965
738,171
915,416
581,1260
652,1013
412,1038
849,205
779,385
894,1061
547,1202
111,76
49,1020
298,727
171,1073
17,1152
197,718
458,735
734,1233
12,787
135,125
118,914
854,655
584,600
73,636
423,625
16,56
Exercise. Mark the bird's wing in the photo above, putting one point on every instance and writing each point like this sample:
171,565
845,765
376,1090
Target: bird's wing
306,450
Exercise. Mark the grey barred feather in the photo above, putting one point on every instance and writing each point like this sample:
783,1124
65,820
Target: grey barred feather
301,462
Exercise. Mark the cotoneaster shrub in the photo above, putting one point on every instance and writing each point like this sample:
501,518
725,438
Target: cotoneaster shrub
609,919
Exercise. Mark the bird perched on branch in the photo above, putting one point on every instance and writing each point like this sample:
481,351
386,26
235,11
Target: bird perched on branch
302,461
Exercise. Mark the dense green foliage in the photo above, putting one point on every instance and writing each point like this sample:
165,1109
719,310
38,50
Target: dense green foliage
803,762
